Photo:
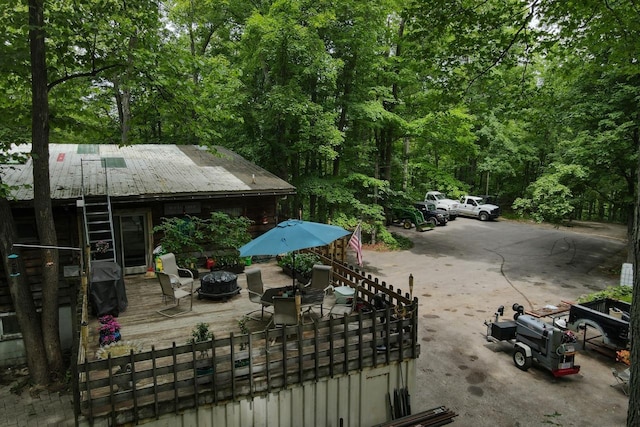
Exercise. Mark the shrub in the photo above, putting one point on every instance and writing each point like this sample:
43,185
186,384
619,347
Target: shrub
622,293
192,235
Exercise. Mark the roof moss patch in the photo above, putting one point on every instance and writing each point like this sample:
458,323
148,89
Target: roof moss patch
88,149
113,162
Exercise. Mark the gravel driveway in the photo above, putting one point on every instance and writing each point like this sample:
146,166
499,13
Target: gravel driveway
462,273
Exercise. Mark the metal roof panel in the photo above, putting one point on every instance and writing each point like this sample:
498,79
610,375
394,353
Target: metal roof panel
143,170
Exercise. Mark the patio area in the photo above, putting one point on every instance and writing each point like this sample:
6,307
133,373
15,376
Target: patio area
165,373
141,323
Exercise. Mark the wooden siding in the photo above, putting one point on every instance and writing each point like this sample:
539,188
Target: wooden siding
68,220
67,231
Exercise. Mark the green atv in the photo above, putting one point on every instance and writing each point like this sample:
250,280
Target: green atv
407,217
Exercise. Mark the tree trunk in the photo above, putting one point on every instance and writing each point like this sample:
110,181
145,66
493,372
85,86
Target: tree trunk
42,190
22,301
633,413
405,163
123,101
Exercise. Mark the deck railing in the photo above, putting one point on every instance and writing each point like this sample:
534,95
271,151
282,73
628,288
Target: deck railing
148,384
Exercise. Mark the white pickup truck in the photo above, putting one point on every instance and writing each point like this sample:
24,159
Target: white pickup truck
475,207
443,203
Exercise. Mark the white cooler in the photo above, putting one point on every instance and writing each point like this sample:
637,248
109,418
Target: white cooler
343,294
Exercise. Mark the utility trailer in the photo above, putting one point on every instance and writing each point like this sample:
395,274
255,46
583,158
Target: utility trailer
610,317
534,339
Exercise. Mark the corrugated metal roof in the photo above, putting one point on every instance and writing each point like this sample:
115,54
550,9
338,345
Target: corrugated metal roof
144,171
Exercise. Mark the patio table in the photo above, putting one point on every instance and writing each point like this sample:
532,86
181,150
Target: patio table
309,296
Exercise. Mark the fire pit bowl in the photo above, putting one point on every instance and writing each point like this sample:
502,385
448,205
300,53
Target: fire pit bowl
218,285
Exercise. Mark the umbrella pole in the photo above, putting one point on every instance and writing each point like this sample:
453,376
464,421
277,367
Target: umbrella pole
294,271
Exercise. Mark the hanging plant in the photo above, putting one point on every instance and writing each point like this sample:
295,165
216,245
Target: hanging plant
102,247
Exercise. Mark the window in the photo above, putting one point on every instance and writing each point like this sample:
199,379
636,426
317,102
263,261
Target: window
232,212
9,327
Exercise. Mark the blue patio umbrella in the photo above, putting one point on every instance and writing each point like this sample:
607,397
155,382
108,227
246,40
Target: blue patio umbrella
293,235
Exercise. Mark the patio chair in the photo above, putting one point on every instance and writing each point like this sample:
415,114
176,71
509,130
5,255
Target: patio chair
179,276
169,292
623,377
285,311
320,276
320,279
255,289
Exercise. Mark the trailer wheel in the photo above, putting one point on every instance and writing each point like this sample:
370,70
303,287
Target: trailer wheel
521,360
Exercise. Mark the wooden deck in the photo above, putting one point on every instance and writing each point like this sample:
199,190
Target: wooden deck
142,323
169,375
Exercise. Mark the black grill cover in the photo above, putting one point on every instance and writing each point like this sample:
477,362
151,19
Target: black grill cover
106,287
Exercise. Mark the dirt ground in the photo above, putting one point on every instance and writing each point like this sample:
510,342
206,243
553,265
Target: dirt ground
458,290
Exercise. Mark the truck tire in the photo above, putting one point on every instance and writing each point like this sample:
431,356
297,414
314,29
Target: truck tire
483,216
521,360
432,221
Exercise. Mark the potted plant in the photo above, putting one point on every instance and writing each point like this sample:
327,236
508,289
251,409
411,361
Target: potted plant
227,260
109,330
194,240
201,333
181,236
244,330
241,360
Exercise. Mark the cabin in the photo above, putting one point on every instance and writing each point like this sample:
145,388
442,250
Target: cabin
114,196
354,367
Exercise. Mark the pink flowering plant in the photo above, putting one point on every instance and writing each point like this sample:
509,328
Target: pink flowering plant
109,330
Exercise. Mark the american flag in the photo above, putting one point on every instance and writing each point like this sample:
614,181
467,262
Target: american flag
356,243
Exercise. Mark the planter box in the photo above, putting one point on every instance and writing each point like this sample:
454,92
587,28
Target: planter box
237,269
299,277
